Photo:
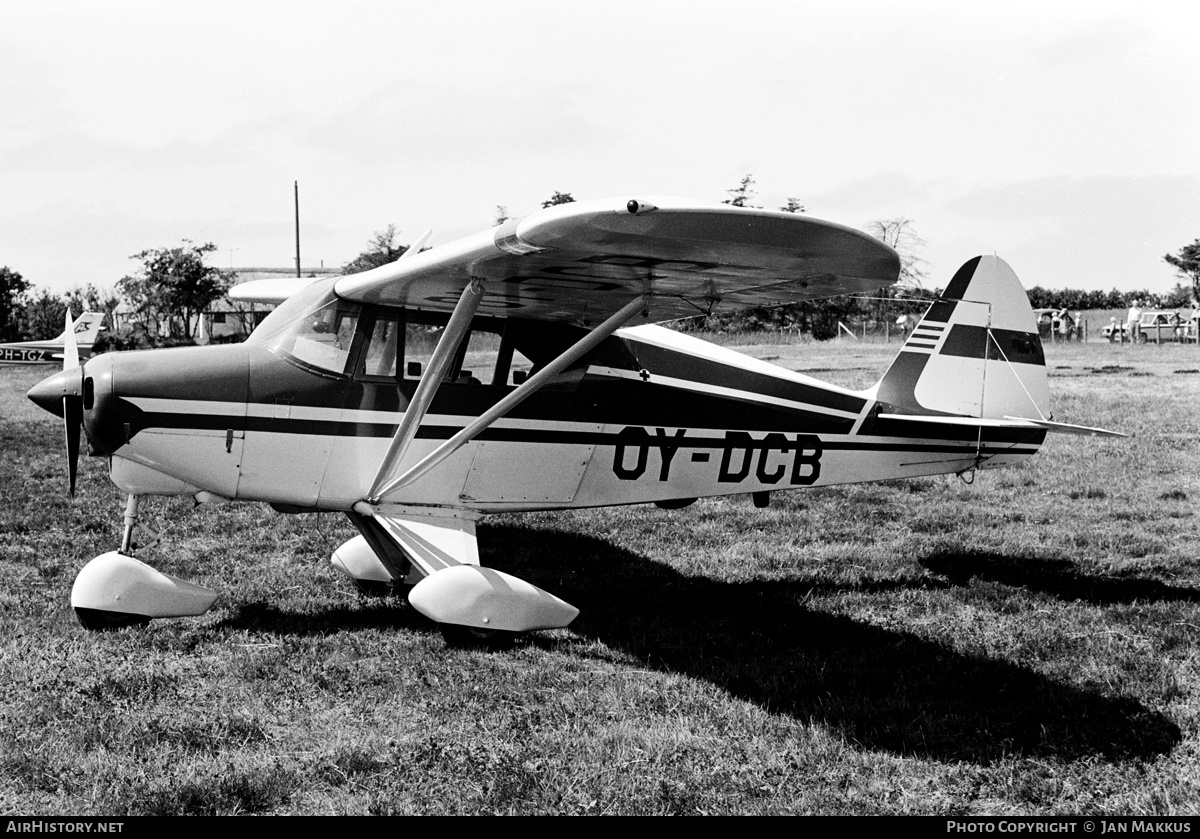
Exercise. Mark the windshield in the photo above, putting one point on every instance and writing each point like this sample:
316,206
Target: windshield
314,327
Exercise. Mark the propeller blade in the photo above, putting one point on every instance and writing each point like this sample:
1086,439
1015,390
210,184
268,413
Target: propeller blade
70,345
72,403
62,394
72,422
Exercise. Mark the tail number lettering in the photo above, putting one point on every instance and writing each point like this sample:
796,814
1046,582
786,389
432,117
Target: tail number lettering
770,459
773,459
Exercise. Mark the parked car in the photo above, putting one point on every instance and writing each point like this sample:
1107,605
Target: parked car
1050,323
1155,325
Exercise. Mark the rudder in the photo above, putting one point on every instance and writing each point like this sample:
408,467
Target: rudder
975,353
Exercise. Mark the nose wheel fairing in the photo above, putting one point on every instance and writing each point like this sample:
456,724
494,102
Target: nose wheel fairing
117,590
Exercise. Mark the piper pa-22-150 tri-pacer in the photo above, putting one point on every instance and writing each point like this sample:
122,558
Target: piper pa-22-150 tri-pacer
520,369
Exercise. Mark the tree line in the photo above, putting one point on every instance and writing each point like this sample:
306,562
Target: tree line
165,298
167,295
1180,297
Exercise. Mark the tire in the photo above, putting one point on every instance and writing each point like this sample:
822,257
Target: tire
460,637
99,620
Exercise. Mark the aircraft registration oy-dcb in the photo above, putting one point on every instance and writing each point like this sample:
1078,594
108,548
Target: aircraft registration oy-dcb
521,369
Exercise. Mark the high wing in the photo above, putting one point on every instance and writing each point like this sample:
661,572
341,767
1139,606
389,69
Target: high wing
583,261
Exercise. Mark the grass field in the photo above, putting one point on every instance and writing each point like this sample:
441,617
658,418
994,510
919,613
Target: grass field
1025,644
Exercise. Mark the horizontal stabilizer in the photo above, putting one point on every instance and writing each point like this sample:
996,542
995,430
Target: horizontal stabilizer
1007,422
1067,428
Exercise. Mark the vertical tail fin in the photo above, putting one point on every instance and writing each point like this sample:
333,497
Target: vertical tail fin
86,328
976,352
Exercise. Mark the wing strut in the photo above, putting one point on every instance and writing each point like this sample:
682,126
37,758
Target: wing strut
525,390
439,364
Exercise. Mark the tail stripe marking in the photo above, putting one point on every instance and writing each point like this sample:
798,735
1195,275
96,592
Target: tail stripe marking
967,341
925,338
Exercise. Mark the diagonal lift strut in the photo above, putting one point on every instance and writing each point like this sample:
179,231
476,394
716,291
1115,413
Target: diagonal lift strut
416,410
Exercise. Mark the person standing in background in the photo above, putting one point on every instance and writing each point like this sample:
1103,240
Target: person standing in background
1133,321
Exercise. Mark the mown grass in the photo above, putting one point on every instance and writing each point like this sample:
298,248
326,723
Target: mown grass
1026,644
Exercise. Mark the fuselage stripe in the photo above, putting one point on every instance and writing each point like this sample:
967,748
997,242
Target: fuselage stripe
728,392
994,440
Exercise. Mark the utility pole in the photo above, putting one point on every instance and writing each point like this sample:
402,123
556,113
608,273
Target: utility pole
296,186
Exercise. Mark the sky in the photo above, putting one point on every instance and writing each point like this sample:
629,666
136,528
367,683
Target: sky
1062,135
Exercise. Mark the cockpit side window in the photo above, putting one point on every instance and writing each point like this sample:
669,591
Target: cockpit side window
325,338
474,358
314,328
422,332
398,345
384,353
476,361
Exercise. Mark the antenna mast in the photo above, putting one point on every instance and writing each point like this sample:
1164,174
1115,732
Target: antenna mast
296,187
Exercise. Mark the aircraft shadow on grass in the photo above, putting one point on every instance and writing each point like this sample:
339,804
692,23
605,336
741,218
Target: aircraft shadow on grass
1055,577
878,688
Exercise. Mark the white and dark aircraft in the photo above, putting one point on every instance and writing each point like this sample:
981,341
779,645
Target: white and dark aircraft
521,369
84,331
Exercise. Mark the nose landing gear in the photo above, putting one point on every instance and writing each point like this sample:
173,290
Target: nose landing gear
115,590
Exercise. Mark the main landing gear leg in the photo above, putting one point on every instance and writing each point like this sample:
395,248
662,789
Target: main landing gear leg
115,590
475,606
131,517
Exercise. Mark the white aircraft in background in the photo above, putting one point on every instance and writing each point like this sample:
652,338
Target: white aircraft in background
520,369
84,331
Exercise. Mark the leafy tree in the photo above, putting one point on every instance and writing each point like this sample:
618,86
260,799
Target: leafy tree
92,298
558,198
740,195
43,316
900,234
902,237
793,205
13,288
382,249
1187,264
144,300
174,286
1180,297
